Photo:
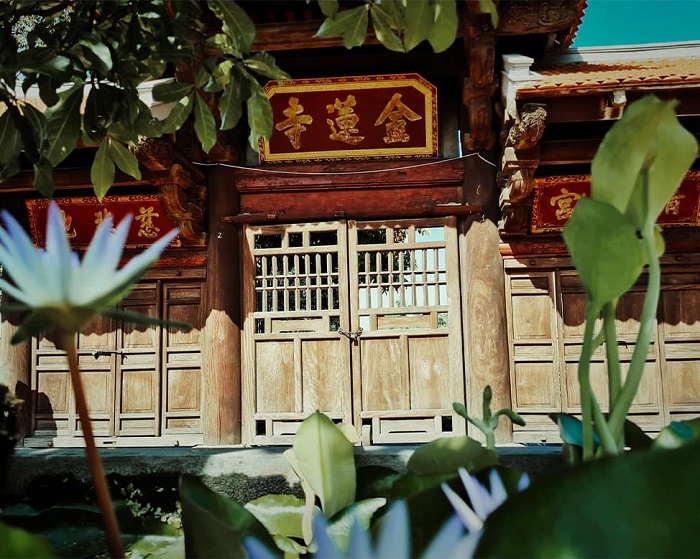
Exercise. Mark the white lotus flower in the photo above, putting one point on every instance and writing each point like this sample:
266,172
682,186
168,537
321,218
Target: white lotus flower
483,501
63,292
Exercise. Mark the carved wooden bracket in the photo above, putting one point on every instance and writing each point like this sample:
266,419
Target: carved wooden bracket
521,157
182,199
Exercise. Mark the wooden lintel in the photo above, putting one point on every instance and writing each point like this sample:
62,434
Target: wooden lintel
568,152
64,179
367,213
295,36
350,175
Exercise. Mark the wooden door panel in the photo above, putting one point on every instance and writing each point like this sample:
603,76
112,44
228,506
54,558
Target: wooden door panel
275,380
295,303
404,294
325,374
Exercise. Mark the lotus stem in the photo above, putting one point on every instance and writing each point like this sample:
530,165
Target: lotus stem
584,380
104,502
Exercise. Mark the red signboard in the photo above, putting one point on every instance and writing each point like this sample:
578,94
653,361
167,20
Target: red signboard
556,198
81,216
365,117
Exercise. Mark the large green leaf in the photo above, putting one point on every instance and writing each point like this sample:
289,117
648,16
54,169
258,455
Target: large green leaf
647,137
326,459
419,22
64,125
215,525
605,249
204,124
444,30
236,23
259,115
447,454
328,7
178,115
384,25
97,53
231,102
172,91
102,171
18,544
641,504
351,24
280,514
9,138
124,158
43,177
265,65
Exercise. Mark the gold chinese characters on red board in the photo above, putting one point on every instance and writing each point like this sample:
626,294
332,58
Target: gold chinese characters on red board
556,198
367,117
81,216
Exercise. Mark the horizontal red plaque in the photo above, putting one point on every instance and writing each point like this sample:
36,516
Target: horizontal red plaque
365,117
81,216
556,198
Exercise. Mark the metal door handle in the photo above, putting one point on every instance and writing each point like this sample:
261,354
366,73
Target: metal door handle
101,352
352,336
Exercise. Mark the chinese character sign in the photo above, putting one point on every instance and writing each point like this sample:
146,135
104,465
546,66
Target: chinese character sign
81,216
556,198
349,118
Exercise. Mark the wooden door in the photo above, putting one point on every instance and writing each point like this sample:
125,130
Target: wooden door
296,303
359,320
142,384
405,302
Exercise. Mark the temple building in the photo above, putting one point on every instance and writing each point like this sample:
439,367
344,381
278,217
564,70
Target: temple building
393,248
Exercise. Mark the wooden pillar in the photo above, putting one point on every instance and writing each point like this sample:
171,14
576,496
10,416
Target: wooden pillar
221,340
483,296
15,370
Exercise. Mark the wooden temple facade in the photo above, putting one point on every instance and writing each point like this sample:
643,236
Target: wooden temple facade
378,279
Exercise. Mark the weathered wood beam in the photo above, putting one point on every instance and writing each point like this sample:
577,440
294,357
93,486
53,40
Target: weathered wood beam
522,17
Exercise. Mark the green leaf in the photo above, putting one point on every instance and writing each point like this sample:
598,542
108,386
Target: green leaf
102,171
419,22
489,7
97,53
18,544
264,64
33,326
461,410
571,429
605,249
214,525
204,124
158,546
640,504
351,24
647,137
43,177
124,158
446,455
9,138
328,7
280,514
64,125
383,24
144,320
178,115
678,433
444,30
236,23
171,92
231,104
146,124
326,460
259,116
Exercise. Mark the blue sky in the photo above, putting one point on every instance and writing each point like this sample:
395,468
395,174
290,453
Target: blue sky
633,22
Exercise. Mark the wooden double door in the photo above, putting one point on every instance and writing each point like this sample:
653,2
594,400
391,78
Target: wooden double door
143,384
360,320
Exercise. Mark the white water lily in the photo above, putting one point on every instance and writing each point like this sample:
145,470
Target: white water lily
483,501
64,292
